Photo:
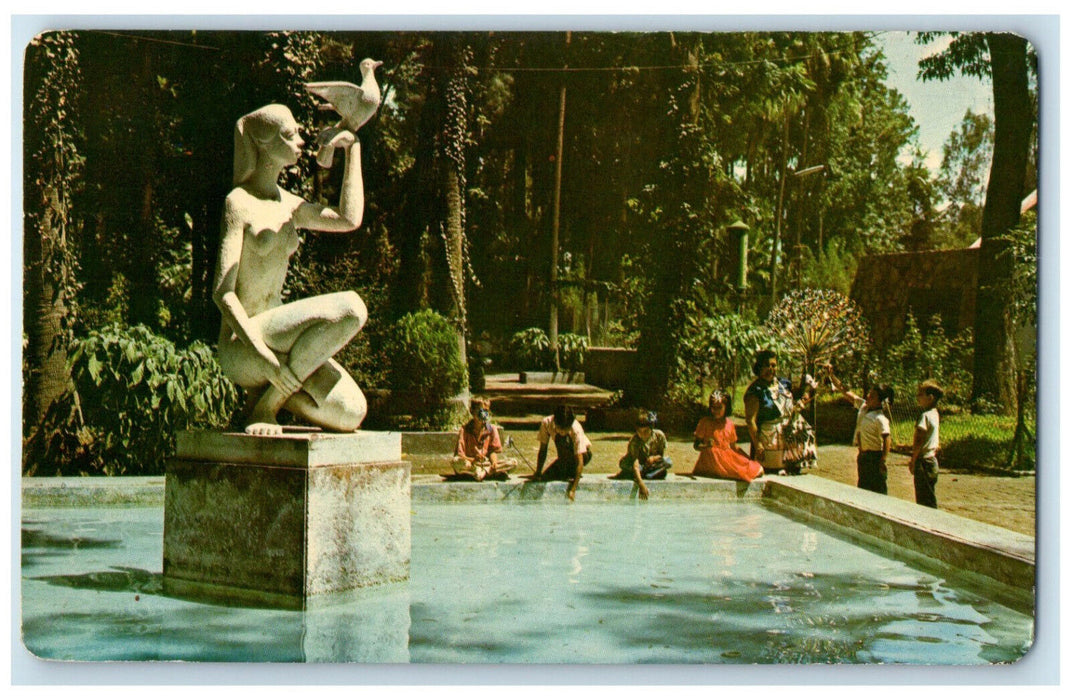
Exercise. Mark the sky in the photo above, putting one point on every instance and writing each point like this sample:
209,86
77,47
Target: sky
937,106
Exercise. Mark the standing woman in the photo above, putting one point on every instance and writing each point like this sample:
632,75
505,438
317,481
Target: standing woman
767,401
281,354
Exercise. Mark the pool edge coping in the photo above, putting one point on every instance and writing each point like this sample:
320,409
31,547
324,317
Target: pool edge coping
999,554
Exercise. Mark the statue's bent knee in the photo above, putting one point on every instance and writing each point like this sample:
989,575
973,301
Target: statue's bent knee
354,308
349,410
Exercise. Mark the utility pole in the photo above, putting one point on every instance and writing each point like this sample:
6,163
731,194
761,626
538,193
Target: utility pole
779,215
556,219
799,227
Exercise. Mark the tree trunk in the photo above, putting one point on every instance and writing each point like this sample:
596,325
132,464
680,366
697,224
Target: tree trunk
143,277
681,195
52,175
455,251
994,332
779,215
552,329
452,163
45,309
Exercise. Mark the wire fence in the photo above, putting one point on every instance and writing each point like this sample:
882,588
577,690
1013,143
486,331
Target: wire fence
969,439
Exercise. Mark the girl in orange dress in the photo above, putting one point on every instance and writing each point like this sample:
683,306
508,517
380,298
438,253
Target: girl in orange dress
715,440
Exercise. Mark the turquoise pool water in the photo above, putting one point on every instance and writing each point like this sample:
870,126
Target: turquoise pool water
684,582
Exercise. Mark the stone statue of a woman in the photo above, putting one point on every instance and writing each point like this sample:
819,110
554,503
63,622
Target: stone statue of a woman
281,354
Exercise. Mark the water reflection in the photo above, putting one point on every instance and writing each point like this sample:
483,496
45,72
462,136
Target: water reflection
134,621
657,583
370,626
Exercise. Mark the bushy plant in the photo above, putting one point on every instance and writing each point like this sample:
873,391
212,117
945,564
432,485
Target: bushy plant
722,347
833,268
929,353
425,361
131,392
571,350
530,349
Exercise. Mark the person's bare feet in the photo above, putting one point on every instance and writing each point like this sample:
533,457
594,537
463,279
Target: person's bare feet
262,418
264,428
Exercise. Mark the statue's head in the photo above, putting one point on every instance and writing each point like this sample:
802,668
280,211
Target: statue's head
269,132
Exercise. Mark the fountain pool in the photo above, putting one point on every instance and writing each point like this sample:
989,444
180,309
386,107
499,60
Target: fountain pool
657,582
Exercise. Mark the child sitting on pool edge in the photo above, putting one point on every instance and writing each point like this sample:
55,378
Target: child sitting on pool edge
715,440
570,442
646,454
478,445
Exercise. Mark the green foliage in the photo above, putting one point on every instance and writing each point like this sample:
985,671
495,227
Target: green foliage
115,306
722,347
53,164
977,452
530,349
641,208
928,353
632,293
968,52
571,351
1023,249
833,269
425,360
133,390
962,180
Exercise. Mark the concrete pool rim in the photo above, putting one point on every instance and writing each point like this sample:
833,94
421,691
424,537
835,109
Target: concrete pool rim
1005,557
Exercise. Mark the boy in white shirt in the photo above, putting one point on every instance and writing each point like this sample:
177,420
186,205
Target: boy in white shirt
923,463
872,434
572,445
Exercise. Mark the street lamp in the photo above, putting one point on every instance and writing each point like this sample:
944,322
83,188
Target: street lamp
799,247
738,230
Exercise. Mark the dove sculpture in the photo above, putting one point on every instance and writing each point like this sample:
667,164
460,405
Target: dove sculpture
354,103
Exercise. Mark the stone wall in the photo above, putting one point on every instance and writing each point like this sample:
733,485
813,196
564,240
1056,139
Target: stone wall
944,282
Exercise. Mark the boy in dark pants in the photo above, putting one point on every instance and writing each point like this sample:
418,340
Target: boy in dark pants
646,457
872,433
923,464
573,446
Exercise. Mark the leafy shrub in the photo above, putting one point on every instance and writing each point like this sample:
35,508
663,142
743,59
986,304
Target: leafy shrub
132,391
425,361
834,268
928,353
571,350
619,333
722,347
530,349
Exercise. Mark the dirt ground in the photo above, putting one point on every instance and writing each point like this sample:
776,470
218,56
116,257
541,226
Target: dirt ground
999,500
1008,502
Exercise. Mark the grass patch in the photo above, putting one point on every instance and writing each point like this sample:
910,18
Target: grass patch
970,442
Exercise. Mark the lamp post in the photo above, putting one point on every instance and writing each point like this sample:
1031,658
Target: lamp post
738,233
738,230
799,247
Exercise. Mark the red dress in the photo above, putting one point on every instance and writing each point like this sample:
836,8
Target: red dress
721,460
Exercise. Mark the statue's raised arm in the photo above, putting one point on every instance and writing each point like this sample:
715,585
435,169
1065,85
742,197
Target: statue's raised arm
281,354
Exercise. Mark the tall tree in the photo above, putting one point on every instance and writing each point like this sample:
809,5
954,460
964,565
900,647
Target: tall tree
53,168
965,162
1005,59
681,203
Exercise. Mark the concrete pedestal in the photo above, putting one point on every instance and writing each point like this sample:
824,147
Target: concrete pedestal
273,521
